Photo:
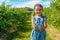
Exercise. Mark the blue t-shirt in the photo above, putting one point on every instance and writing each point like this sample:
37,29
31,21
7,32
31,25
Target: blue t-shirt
39,21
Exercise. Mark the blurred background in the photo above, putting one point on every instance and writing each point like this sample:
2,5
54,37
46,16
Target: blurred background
15,19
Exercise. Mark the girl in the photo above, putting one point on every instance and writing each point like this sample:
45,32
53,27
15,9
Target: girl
39,24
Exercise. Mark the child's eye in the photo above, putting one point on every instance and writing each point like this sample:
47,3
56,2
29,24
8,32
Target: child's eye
38,9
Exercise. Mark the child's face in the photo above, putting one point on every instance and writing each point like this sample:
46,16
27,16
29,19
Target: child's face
38,10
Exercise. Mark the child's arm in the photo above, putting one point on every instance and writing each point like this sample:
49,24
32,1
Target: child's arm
33,26
44,26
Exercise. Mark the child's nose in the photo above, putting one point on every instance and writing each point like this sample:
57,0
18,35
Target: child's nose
38,11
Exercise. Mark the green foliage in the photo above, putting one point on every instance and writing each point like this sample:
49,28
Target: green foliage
10,16
53,13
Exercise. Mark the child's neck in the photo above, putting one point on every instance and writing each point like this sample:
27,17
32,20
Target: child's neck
37,16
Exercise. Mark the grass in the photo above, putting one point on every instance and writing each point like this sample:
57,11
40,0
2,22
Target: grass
48,37
26,36
23,36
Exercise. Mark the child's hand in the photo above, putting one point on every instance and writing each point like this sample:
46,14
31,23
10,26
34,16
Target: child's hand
41,28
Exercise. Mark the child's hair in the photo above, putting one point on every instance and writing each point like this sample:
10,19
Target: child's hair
38,5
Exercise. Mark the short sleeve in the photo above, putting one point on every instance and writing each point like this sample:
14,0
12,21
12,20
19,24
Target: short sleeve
44,17
33,17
